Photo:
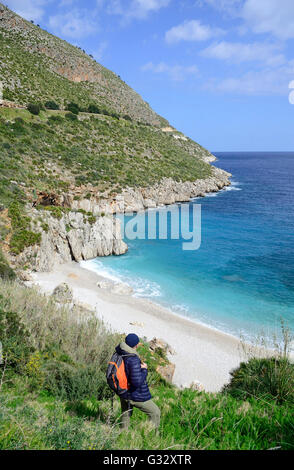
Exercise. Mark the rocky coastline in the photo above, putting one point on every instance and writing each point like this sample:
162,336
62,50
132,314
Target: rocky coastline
75,237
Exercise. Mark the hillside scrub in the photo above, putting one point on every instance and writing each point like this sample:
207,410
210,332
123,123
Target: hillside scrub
100,150
6,272
54,393
63,73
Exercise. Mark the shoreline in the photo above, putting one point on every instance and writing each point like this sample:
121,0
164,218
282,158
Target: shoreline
202,354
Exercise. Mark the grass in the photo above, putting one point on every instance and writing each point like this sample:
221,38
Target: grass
69,411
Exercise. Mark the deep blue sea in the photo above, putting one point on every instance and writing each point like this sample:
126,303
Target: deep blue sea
241,279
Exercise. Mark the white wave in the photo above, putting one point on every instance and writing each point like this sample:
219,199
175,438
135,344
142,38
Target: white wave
142,287
98,268
234,186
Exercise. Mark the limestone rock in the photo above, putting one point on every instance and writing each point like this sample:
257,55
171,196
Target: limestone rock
72,238
63,293
165,192
25,276
157,343
167,371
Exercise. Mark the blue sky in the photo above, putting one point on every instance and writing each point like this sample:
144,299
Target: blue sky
218,70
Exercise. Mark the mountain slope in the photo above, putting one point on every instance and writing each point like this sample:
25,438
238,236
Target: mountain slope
64,72
114,144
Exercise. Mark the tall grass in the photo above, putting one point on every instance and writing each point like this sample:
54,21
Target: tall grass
58,398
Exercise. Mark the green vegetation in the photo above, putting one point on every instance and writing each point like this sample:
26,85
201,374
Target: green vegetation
268,379
64,73
81,125
54,394
73,108
51,105
100,150
34,108
22,235
6,272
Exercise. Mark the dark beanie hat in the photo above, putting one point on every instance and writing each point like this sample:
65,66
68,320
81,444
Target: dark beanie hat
132,340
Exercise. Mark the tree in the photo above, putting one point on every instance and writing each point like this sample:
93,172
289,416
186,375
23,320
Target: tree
93,109
34,108
73,108
51,105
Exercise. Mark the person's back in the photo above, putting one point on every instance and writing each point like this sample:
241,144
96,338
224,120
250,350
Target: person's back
138,394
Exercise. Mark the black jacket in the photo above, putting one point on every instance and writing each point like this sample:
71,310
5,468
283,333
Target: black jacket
137,377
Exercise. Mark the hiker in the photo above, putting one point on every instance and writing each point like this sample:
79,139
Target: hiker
135,392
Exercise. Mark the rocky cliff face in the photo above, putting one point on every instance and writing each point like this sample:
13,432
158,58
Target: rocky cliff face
72,238
165,192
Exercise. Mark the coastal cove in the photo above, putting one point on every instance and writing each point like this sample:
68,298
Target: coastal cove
201,353
213,348
241,279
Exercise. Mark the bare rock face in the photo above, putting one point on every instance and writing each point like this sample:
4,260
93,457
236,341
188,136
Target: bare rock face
24,276
157,343
63,293
72,238
167,371
165,192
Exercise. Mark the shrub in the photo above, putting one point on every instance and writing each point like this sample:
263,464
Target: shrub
93,109
270,378
34,108
51,105
75,382
73,108
19,120
71,116
127,117
55,119
22,236
15,339
6,272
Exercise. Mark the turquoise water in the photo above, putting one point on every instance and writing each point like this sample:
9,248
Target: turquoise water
241,280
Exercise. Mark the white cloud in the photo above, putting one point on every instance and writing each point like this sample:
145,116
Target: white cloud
257,83
74,24
241,52
228,6
28,9
270,16
191,30
129,9
261,16
98,54
175,72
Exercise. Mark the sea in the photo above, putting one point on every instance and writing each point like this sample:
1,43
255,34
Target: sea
241,278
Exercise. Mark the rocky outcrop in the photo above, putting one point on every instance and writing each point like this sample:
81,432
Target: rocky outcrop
167,191
63,293
77,236
72,237
167,371
158,343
